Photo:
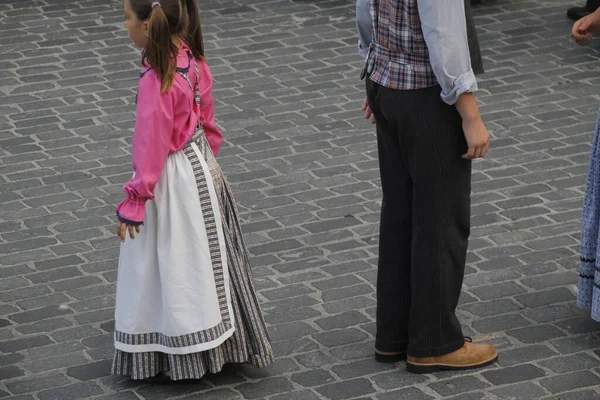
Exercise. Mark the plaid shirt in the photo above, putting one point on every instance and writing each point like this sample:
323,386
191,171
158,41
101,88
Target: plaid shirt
421,43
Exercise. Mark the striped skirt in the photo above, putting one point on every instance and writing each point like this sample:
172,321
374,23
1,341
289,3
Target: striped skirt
185,296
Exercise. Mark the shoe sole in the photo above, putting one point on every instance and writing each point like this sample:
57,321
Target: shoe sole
428,369
389,358
159,380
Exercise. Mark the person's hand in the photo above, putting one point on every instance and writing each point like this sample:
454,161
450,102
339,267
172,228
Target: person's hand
478,138
123,228
585,28
367,110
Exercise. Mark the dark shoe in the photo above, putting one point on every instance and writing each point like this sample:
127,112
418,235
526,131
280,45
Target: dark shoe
160,379
576,13
390,358
469,356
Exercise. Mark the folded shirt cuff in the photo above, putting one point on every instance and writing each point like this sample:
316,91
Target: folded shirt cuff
466,83
362,50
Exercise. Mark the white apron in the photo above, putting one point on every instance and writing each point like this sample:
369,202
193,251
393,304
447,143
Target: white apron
173,293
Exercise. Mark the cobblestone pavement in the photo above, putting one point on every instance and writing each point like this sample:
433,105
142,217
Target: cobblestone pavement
303,164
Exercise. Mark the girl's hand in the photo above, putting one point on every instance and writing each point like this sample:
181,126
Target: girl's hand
367,110
122,229
584,29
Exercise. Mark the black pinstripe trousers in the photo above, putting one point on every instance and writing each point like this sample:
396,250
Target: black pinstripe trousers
425,220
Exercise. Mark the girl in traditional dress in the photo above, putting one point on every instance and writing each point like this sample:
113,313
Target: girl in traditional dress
588,296
186,304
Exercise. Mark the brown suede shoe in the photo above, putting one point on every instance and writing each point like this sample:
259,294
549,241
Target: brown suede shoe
468,357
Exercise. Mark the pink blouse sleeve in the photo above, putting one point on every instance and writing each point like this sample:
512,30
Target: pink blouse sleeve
151,144
207,110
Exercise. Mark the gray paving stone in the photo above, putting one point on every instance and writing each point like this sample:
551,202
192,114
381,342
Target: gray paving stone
361,368
56,363
353,303
520,391
32,384
55,274
340,337
550,313
24,293
338,282
536,334
458,385
154,392
579,325
90,371
340,321
565,383
300,395
485,278
54,350
76,391
121,396
525,372
525,354
294,346
545,298
9,272
101,353
97,303
500,323
290,331
287,292
577,395
345,293
405,394
44,326
578,343
279,367
348,389
491,308
38,302
95,342
498,291
292,316
13,282
10,372
22,344
76,283
543,282
74,333
264,388
576,362
313,378
10,359
396,379
472,396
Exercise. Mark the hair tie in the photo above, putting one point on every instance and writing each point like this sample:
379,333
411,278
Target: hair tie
156,4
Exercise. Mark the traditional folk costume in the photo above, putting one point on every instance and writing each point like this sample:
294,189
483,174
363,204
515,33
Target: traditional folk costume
588,296
185,296
415,70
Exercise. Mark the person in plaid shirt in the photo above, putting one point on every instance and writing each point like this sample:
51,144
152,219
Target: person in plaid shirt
420,76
